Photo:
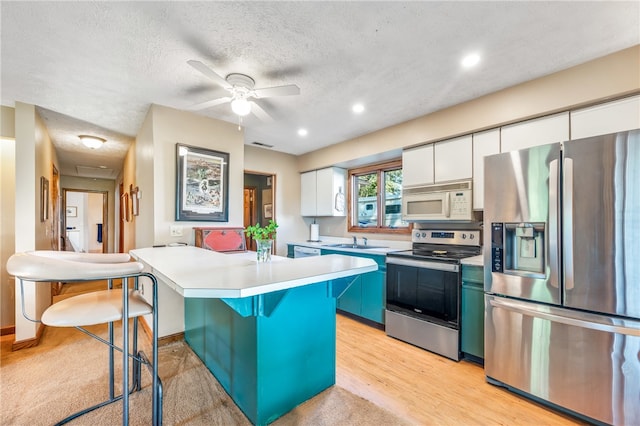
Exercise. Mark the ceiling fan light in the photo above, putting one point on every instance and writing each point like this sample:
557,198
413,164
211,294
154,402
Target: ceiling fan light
92,142
241,106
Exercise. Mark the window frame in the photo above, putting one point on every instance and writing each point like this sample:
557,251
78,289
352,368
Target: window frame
378,168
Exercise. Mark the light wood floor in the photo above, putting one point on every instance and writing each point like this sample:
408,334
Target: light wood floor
425,388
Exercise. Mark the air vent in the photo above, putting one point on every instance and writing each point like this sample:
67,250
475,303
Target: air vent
264,145
95,172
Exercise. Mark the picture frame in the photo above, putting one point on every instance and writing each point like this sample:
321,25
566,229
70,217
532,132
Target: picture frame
135,197
268,211
125,214
44,199
72,211
202,184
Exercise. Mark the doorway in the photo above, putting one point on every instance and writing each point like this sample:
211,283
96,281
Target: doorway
85,221
259,201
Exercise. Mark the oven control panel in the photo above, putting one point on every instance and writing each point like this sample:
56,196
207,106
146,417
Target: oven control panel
468,238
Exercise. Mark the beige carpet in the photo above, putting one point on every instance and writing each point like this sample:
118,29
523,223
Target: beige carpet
67,372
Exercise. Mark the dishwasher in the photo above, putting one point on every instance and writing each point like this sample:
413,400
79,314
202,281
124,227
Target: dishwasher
302,251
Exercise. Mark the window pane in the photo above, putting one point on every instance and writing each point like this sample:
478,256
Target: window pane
393,199
367,186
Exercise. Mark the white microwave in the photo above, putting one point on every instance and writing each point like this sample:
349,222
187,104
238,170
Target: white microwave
440,202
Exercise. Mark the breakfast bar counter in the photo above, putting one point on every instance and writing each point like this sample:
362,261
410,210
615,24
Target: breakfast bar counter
267,331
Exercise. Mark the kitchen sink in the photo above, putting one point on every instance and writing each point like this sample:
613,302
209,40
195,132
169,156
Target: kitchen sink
353,246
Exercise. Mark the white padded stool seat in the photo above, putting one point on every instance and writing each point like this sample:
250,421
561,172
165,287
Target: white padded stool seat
94,308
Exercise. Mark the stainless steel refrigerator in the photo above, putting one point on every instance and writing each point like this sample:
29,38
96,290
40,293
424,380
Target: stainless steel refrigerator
562,275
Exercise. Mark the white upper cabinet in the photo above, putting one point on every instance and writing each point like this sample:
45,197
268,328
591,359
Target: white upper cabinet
610,117
308,201
453,159
541,131
323,192
417,166
484,144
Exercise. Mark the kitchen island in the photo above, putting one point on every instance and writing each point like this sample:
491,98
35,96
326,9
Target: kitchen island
267,331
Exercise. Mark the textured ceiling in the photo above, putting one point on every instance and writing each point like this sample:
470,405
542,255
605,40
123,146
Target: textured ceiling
96,67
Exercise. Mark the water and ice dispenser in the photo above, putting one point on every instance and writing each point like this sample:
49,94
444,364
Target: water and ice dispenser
518,248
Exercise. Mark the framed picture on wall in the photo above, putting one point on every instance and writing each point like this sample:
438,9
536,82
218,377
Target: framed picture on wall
72,211
202,184
135,197
268,211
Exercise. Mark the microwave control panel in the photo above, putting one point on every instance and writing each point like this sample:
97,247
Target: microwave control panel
460,203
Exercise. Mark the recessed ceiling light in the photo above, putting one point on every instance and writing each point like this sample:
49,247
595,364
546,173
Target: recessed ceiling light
302,132
470,60
358,108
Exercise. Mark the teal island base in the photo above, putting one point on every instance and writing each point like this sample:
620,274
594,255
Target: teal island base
270,352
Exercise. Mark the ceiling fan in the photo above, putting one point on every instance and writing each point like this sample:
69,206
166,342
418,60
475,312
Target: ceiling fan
241,90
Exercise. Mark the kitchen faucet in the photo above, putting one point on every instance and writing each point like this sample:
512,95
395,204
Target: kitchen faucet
355,240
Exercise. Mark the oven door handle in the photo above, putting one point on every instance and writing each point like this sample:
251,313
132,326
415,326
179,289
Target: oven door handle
425,264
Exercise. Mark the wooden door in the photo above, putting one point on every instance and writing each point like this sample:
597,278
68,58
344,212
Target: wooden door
121,220
250,213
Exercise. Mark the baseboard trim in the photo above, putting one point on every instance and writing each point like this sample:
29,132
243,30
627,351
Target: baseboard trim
10,329
29,343
165,340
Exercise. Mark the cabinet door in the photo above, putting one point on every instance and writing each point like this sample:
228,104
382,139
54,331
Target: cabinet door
453,159
417,166
330,185
541,131
351,300
308,194
484,144
472,333
373,296
611,117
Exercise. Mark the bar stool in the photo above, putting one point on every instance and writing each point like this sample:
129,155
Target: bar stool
99,307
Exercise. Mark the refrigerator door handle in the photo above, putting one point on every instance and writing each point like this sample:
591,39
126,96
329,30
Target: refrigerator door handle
567,228
553,253
573,318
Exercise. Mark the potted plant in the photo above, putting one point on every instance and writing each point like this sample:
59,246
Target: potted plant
263,236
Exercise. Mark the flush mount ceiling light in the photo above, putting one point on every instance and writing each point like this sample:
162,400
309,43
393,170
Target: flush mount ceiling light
358,108
302,132
470,60
92,142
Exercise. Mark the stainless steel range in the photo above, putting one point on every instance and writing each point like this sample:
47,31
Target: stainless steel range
424,287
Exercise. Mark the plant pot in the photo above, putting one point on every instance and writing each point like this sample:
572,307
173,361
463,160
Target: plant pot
264,248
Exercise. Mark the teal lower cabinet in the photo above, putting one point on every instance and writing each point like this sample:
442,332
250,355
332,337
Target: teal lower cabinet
366,297
269,352
472,322
374,292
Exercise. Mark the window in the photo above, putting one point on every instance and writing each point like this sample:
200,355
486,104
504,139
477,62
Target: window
375,194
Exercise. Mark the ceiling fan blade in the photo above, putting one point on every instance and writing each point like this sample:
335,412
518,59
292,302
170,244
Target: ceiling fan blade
209,104
259,112
288,90
209,73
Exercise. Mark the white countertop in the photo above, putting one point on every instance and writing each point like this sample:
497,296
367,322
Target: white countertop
475,260
196,272
385,246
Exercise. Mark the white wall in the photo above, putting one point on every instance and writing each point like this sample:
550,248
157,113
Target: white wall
7,228
35,156
156,143
93,218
